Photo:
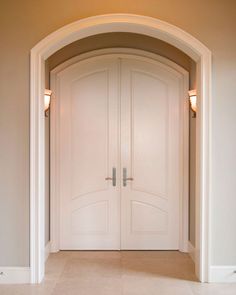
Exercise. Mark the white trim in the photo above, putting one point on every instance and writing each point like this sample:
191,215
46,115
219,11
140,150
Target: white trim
184,162
222,274
47,251
14,275
184,140
54,177
118,23
191,251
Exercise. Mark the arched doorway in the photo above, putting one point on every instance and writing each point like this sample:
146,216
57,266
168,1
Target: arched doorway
118,23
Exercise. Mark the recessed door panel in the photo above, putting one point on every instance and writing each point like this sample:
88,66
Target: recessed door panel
91,219
155,221
149,132
89,133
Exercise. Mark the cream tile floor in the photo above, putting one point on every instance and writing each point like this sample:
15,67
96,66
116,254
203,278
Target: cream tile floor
119,273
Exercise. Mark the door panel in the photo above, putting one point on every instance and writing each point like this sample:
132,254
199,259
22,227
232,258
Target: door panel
155,220
119,112
149,115
150,152
89,142
81,221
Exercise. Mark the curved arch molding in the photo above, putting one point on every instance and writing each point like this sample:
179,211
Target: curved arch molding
118,23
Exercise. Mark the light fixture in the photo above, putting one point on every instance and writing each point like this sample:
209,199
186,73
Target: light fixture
47,98
193,101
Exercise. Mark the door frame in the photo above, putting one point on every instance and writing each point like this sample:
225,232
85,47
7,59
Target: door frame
134,24
184,139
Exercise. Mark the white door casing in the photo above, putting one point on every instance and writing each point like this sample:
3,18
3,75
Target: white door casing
95,83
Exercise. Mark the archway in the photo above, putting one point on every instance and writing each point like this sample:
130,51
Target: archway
118,23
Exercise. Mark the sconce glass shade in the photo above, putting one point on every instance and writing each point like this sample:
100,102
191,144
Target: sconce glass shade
193,100
47,98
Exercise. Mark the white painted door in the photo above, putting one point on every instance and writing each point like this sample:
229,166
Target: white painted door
150,155
119,112
89,204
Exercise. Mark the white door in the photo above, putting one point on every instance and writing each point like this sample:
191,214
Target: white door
89,204
119,116
150,156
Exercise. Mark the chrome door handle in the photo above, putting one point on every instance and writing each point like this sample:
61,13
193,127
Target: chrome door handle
113,178
125,178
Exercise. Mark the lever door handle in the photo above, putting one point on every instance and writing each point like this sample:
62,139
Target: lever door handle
125,178
113,178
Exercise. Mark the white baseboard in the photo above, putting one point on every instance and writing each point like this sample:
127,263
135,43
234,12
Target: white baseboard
191,251
14,275
47,251
222,274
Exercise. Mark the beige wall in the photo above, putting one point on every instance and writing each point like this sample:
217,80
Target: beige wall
47,161
47,180
126,40
24,23
192,177
192,161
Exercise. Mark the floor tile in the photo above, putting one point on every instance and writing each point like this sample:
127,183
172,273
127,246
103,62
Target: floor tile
119,273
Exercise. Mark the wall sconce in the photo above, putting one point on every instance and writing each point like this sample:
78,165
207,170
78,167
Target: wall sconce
193,101
47,98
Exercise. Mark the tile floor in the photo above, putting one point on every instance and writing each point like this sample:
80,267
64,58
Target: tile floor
119,273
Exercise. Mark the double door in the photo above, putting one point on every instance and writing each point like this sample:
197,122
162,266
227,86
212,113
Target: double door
119,147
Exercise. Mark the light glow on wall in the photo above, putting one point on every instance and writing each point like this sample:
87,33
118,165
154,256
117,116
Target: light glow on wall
193,100
47,98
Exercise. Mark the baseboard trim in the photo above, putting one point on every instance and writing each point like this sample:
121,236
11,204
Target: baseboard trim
222,274
14,275
191,251
47,251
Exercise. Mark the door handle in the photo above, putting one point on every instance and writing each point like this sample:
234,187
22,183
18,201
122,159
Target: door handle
113,178
125,178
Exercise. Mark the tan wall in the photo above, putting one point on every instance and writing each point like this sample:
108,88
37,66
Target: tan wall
192,177
192,161
24,23
47,180
126,40
47,161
